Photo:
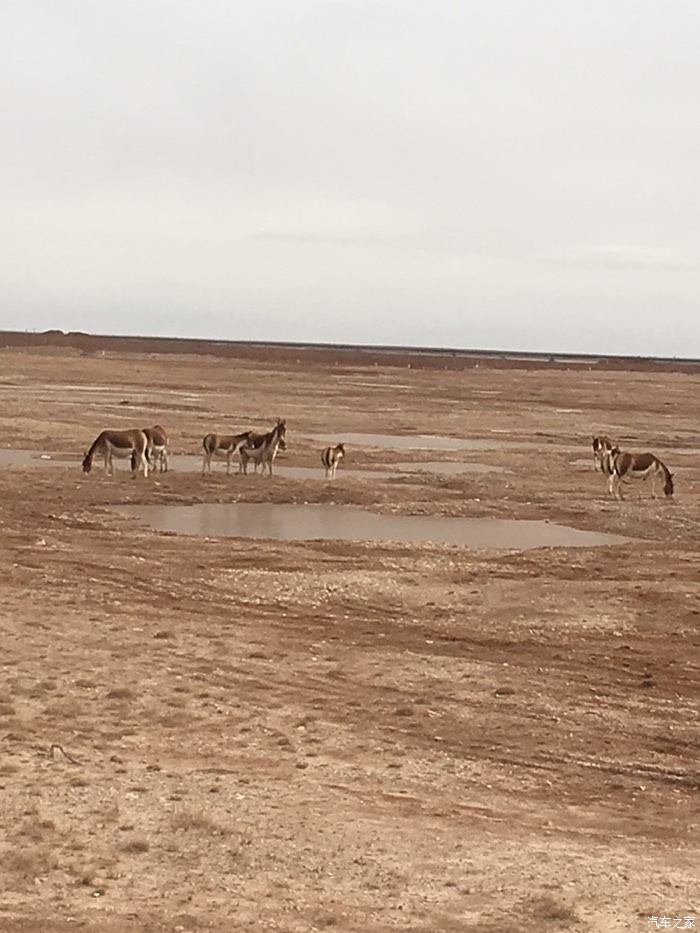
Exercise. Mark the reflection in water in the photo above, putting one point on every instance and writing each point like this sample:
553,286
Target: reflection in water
348,523
189,463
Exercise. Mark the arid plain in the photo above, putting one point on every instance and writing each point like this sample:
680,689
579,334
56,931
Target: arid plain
346,735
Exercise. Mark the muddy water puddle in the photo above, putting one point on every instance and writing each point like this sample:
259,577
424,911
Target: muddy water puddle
420,441
349,523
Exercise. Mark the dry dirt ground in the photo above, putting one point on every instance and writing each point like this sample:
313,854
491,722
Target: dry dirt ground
346,736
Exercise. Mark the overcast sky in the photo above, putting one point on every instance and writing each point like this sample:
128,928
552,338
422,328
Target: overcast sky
521,174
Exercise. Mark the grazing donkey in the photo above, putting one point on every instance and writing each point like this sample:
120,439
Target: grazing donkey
120,444
626,467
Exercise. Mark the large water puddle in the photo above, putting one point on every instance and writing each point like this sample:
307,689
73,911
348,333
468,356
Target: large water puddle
349,523
420,441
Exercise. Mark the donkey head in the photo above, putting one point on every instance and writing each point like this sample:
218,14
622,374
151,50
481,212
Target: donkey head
668,488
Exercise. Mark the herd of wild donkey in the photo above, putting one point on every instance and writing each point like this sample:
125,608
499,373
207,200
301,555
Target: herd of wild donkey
148,448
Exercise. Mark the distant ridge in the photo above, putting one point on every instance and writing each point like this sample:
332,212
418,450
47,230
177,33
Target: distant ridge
337,354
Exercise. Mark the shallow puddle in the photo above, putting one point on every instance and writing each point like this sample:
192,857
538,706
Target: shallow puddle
12,457
192,463
349,523
185,463
419,441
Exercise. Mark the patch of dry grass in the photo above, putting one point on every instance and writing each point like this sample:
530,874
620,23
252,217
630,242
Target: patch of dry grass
120,693
29,862
546,910
64,709
199,821
35,828
135,847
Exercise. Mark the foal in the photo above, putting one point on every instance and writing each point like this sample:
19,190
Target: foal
331,457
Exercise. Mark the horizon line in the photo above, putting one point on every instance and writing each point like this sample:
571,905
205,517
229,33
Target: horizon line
381,348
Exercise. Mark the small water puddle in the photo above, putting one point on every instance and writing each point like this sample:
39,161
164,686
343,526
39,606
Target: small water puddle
18,457
349,523
419,441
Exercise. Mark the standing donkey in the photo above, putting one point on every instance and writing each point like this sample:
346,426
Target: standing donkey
262,448
330,458
157,449
219,445
625,467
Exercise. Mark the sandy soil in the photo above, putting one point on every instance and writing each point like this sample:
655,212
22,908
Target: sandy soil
334,735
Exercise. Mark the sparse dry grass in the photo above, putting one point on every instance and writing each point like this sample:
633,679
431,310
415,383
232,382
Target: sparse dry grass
120,693
198,821
79,781
64,709
135,847
35,828
29,862
545,909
